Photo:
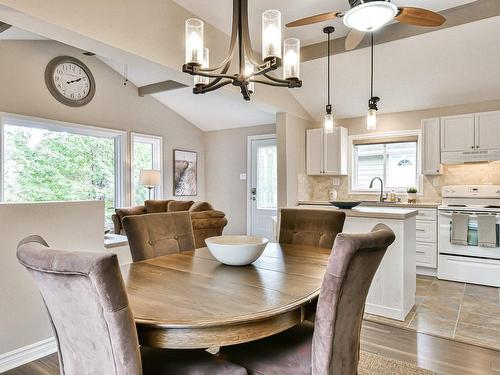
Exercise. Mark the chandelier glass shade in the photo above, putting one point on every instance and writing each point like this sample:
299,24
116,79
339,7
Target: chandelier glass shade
251,68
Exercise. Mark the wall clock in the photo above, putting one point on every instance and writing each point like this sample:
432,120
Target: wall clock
70,81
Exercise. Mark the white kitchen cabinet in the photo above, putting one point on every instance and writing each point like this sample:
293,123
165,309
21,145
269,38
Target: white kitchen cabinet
314,151
487,131
426,239
431,148
457,133
326,154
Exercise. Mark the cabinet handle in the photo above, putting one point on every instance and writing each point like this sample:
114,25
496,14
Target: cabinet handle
472,147
477,146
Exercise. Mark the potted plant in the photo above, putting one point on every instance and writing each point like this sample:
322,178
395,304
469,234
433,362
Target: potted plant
412,194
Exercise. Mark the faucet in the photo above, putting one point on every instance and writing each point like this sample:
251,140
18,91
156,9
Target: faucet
381,199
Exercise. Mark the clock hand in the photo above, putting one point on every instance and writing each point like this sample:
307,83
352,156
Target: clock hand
75,80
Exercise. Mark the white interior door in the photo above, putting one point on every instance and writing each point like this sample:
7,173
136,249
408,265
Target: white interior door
263,186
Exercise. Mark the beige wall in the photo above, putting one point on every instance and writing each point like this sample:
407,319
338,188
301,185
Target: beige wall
291,138
317,187
226,159
115,106
75,226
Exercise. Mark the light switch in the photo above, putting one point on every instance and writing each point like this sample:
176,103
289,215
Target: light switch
243,176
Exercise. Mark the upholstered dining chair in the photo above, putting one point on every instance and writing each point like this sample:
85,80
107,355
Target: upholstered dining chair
331,345
310,227
89,310
154,235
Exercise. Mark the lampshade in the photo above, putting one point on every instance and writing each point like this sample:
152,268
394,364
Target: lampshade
370,16
371,119
150,178
329,123
200,80
291,52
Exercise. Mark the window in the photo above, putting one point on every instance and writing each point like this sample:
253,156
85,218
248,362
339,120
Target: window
394,160
267,190
146,154
49,161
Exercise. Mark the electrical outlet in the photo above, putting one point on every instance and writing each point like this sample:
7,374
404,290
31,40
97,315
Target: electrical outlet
243,176
336,181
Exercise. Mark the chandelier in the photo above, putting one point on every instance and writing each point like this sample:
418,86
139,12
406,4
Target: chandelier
252,69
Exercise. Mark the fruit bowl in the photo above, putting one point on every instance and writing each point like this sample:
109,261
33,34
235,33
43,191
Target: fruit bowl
236,250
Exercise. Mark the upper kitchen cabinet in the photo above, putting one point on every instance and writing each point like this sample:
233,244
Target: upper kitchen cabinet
431,147
487,131
326,154
457,133
470,138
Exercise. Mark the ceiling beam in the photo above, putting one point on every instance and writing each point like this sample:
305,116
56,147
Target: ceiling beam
157,87
475,11
4,26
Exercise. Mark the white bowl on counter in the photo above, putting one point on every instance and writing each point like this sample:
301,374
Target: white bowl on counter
236,250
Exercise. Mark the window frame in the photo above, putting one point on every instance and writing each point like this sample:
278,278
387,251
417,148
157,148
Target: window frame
157,142
119,136
380,136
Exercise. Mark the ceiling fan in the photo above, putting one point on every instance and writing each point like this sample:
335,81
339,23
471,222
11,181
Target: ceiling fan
370,15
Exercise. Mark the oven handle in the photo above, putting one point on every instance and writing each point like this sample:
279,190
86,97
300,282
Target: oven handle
474,215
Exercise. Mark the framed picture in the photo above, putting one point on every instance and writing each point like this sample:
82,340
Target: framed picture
185,173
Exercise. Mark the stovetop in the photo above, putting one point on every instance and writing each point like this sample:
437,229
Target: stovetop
477,198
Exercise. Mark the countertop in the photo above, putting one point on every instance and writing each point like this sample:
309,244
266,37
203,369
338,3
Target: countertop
397,213
379,204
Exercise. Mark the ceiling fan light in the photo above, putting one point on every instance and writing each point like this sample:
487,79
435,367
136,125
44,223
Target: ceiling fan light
370,16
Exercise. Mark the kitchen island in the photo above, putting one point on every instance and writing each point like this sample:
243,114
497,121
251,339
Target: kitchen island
392,293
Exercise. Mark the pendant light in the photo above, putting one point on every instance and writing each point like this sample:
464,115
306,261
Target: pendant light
329,120
371,117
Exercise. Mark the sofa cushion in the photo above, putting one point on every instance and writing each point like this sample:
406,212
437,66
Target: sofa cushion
174,206
201,206
128,211
156,206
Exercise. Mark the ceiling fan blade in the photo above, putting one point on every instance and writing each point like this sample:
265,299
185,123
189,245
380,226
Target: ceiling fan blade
313,19
419,17
353,39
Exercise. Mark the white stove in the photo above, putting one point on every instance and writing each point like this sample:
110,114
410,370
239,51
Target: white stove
469,263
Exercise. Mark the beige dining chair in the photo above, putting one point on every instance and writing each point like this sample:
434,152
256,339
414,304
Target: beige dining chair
310,227
153,235
89,310
331,345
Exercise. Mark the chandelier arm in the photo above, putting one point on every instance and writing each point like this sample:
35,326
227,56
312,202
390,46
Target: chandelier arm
278,80
207,88
245,35
205,73
270,83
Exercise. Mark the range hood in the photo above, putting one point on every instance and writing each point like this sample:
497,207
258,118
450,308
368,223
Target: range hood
472,156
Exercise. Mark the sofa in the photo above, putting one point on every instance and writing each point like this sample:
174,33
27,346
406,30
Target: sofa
206,221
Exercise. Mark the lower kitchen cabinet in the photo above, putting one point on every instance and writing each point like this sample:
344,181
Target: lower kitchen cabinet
426,236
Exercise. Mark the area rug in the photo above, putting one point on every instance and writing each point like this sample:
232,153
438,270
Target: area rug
373,364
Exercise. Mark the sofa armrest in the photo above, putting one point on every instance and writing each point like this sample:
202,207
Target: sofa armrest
212,214
117,223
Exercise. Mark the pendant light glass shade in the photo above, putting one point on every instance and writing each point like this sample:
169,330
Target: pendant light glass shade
291,56
199,80
271,34
370,16
371,119
194,41
329,123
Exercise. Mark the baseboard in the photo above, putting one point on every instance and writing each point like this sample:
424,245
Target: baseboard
26,354
426,271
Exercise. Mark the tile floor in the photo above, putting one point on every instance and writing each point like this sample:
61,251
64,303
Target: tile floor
465,312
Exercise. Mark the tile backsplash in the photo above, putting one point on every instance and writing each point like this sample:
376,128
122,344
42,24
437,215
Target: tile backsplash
316,188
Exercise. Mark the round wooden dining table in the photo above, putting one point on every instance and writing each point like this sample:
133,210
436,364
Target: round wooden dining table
190,300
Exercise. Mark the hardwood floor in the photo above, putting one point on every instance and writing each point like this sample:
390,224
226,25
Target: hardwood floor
445,356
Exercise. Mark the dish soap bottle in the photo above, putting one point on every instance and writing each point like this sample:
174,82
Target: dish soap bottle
392,196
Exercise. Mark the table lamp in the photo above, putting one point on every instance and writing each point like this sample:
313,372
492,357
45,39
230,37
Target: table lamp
150,178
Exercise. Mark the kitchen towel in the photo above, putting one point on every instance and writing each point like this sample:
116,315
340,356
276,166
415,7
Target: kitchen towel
459,229
487,230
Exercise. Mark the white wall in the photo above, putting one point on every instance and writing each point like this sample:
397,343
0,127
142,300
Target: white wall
291,138
226,159
65,226
115,106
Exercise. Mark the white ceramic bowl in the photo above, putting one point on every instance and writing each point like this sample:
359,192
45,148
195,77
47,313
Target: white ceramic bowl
236,250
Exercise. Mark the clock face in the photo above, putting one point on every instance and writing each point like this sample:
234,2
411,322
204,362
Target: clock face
70,81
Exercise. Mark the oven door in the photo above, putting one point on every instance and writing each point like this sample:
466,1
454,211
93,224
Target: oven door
472,249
